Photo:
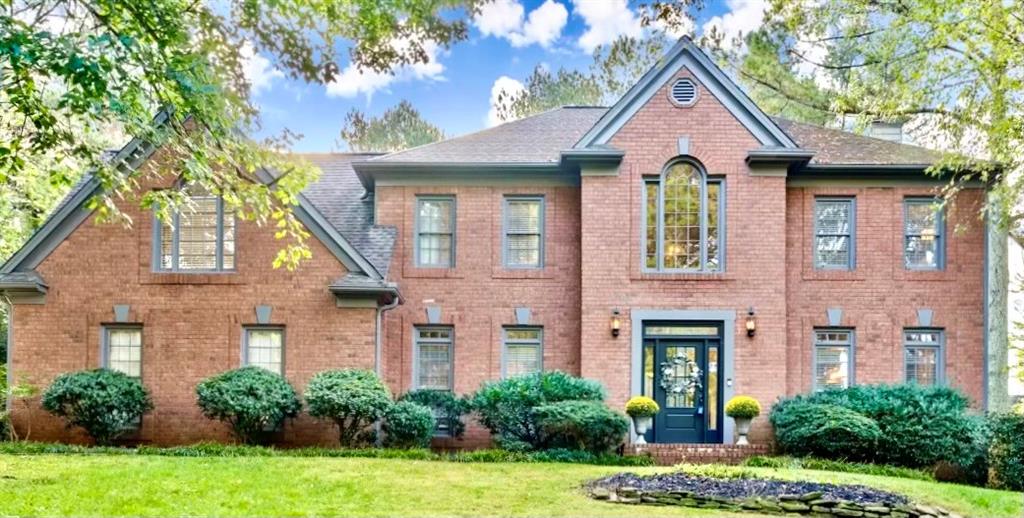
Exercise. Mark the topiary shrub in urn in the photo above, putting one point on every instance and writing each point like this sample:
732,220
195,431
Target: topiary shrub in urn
742,409
641,409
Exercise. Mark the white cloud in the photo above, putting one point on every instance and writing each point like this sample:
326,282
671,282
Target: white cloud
605,21
744,17
508,86
354,81
257,69
506,19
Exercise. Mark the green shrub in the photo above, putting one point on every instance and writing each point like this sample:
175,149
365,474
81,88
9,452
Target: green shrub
840,466
581,425
408,425
251,400
743,407
829,431
352,399
921,426
1006,453
506,407
448,409
105,403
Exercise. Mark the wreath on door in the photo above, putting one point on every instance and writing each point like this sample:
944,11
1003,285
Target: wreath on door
689,384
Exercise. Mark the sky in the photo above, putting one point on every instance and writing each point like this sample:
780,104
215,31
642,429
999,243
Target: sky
454,90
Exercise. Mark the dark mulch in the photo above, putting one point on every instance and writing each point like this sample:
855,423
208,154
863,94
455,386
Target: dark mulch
742,488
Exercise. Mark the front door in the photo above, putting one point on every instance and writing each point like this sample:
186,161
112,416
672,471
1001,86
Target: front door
681,369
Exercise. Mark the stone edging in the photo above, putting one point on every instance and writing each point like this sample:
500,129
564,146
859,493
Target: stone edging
806,504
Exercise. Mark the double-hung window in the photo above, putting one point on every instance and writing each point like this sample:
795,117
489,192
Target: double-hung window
122,350
833,358
683,213
922,234
523,351
524,232
433,358
198,237
834,233
922,350
435,231
264,347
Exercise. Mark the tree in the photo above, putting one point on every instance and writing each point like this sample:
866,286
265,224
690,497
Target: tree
98,64
616,67
398,128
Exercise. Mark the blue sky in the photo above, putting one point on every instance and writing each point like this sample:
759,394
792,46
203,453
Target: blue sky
454,89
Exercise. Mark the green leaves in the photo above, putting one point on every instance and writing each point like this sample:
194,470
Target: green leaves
352,399
400,127
252,400
105,403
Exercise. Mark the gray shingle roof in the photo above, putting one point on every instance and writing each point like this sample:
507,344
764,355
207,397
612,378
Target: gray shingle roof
837,147
338,195
536,139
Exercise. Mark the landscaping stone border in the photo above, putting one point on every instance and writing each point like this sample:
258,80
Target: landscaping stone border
812,503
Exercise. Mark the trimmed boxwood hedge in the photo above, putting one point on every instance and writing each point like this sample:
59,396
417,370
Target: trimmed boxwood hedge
1006,453
251,400
105,403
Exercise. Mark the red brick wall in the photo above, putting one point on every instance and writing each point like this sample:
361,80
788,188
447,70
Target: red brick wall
478,295
192,324
880,297
755,248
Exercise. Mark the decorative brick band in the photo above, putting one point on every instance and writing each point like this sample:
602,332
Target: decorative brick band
672,454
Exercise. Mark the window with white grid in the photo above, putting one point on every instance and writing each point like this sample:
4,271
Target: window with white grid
922,356
264,347
123,350
433,356
833,358
524,232
922,234
524,351
197,237
435,231
834,234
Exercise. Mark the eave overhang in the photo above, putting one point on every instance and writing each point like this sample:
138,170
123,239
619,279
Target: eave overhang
372,172
382,295
778,156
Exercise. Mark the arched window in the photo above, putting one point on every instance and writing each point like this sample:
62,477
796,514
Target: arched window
683,219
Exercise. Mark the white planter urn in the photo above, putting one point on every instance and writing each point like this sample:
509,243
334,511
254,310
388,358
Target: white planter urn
742,429
641,424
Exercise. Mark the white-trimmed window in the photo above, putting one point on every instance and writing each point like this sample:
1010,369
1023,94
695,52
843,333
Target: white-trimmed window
264,347
922,234
523,245
833,358
122,349
435,231
523,351
683,220
834,233
922,353
199,237
433,358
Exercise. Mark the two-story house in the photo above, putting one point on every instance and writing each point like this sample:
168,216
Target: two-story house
681,244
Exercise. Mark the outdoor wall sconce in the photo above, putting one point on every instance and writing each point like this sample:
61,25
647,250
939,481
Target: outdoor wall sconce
751,322
616,323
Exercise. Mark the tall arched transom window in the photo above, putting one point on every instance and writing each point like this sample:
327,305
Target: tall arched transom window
683,215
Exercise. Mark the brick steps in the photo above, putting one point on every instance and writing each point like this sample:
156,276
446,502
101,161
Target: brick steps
671,454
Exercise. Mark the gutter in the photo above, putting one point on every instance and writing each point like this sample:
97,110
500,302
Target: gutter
10,352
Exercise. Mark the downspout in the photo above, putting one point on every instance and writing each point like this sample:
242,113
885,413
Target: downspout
378,351
10,353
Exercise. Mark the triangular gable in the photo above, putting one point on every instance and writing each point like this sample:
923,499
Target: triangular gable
73,211
685,54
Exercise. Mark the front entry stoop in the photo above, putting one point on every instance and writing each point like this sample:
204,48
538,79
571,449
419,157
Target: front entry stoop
672,454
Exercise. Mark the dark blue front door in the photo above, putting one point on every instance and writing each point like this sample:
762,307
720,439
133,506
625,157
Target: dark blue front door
681,374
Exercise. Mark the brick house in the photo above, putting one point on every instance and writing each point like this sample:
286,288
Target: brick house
680,244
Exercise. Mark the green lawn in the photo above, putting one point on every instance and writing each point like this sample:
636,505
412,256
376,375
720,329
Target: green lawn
286,486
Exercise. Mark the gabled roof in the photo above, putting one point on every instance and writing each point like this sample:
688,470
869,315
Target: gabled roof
538,139
838,147
685,54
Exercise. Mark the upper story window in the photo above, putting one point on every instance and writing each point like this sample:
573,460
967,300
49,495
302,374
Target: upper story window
122,350
199,237
683,220
524,232
923,361
435,231
833,358
264,347
834,233
922,234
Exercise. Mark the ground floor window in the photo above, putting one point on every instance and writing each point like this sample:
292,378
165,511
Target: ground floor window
523,351
264,347
833,358
922,352
122,350
433,358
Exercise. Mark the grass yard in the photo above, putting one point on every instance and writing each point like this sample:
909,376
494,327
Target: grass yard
101,485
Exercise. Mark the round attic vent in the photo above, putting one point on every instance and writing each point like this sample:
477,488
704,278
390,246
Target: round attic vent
683,93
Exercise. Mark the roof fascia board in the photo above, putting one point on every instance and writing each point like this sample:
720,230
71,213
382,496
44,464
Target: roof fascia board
308,214
372,174
868,175
686,54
